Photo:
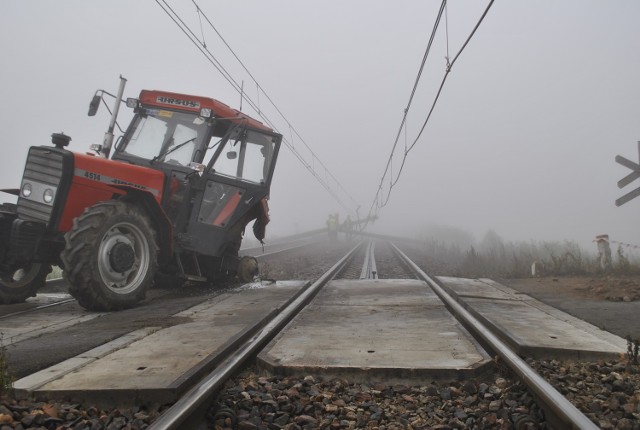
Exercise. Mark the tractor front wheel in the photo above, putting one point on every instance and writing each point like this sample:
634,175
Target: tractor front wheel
248,269
19,284
110,257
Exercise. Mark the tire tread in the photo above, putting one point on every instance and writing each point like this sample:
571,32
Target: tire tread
85,284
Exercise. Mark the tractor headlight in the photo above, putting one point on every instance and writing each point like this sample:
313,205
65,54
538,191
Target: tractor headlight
133,103
48,195
205,112
26,189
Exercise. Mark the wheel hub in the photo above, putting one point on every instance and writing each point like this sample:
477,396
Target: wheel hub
119,257
122,257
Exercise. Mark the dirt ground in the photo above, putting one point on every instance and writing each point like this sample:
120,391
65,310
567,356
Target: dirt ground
611,303
615,289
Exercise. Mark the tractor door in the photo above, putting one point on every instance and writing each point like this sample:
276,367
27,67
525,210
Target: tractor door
237,178
168,141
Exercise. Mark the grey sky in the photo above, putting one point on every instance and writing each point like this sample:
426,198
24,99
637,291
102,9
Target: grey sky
522,140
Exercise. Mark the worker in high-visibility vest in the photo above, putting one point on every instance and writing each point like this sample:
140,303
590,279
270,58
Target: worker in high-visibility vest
332,227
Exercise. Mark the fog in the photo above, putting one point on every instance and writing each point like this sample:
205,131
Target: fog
522,140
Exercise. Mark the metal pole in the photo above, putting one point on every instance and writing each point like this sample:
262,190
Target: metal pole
108,136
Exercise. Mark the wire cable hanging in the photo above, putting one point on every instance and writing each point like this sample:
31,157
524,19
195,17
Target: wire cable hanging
256,106
408,107
378,203
259,89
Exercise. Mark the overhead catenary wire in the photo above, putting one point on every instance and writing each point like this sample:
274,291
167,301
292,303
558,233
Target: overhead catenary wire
194,39
408,107
201,46
378,202
261,89
191,35
204,43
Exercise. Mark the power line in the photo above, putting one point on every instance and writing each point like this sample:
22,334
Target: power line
201,46
376,200
261,89
413,92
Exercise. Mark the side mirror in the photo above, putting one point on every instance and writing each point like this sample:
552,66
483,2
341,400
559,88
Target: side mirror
94,105
232,155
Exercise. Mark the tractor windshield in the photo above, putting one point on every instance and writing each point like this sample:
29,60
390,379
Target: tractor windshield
168,136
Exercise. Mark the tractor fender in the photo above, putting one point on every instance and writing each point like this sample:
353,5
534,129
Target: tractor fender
162,224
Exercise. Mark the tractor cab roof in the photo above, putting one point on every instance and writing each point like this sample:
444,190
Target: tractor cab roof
184,102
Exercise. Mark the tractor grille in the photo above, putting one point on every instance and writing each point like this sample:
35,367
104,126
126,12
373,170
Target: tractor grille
43,171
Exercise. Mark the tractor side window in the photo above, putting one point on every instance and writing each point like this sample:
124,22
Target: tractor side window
227,162
257,157
248,160
254,161
144,140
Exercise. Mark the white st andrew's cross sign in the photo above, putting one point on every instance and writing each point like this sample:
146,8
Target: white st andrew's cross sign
635,174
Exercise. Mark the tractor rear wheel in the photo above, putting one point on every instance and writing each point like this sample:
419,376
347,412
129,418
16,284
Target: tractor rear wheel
18,285
110,257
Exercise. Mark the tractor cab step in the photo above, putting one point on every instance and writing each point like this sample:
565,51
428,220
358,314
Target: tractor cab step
189,268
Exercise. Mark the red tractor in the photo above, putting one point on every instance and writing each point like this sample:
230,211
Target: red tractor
173,201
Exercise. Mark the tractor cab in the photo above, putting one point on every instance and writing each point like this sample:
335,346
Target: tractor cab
217,163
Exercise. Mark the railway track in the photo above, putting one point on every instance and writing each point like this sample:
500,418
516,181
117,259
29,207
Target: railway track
180,412
559,412
367,261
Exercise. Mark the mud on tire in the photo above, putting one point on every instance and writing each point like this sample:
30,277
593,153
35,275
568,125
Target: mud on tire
110,257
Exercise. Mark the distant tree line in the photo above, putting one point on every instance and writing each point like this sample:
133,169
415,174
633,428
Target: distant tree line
453,252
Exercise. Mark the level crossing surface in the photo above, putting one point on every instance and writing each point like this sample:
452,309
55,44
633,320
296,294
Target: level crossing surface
362,329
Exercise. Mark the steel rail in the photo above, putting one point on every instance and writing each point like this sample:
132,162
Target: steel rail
372,262
48,305
37,308
369,269
568,415
177,414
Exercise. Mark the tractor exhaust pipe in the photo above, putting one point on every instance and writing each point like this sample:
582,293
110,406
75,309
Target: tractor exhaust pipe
108,136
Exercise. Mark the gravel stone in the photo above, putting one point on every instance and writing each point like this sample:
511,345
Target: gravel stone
498,403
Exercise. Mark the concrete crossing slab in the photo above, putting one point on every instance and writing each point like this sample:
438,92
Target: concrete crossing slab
531,327
480,288
158,366
398,331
